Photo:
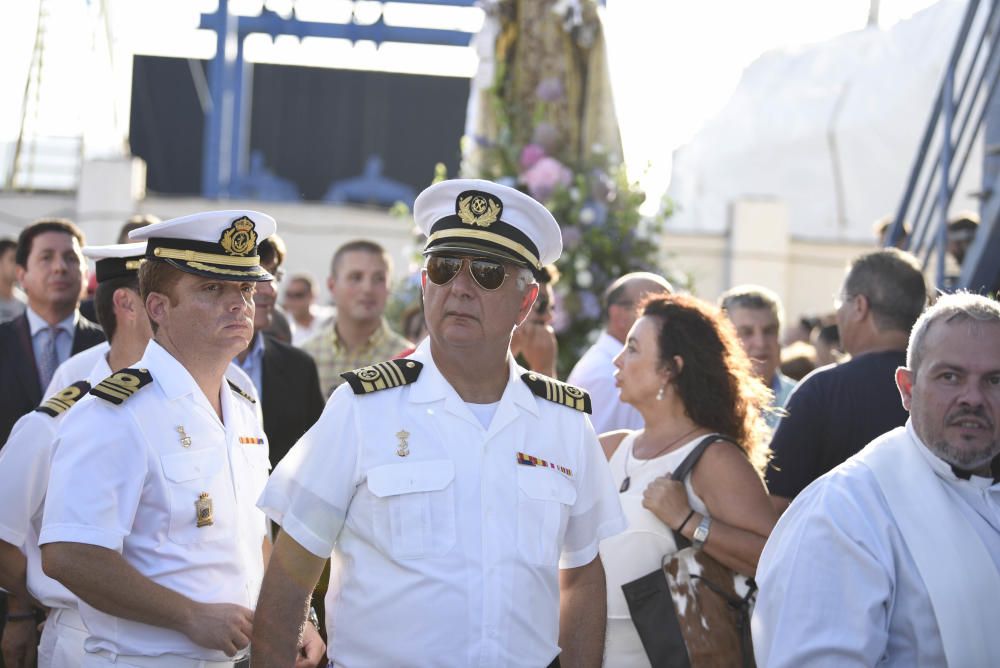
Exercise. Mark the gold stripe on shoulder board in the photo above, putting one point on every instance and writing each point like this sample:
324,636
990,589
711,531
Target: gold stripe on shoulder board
383,375
64,399
119,386
557,391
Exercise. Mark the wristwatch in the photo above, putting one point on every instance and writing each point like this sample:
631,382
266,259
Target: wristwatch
700,534
313,618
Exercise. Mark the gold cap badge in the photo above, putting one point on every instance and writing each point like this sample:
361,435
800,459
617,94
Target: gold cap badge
239,238
478,208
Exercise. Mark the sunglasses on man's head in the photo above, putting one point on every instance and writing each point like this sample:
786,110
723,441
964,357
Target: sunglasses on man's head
442,269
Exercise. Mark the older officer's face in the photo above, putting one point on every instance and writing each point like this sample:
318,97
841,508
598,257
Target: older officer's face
207,316
461,313
954,395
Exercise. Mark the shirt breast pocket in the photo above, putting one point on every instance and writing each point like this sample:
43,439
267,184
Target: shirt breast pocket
543,502
413,509
201,501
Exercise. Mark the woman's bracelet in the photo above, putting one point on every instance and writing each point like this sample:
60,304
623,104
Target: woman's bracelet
681,527
20,616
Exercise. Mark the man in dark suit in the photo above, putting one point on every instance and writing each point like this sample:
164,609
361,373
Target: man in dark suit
285,377
50,269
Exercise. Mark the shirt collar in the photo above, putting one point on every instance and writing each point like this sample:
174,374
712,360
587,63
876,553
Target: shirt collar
36,323
949,472
257,347
376,336
433,386
169,373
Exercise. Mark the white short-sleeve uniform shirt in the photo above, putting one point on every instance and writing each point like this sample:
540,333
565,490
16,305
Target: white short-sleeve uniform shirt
127,477
24,477
448,555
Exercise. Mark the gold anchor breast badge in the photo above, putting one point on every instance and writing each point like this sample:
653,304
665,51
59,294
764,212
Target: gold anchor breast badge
203,510
403,449
185,439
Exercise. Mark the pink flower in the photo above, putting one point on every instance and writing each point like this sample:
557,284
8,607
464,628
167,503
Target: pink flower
545,176
530,154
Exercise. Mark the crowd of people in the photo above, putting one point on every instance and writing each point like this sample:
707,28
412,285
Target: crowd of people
219,471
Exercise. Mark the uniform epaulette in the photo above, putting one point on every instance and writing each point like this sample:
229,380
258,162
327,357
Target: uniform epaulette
383,375
119,386
63,400
240,391
558,391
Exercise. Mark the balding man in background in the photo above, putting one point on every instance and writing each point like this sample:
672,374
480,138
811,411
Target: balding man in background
595,372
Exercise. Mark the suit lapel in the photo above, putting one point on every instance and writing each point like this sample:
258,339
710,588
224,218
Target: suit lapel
27,369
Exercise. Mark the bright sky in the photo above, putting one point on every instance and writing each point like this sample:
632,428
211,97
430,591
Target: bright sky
674,63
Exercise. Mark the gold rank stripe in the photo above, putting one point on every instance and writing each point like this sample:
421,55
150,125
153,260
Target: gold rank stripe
492,237
122,385
58,404
556,392
389,376
114,390
228,272
214,258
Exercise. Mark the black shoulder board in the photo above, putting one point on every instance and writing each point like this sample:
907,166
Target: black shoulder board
383,375
119,386
558,391
240,391
63,400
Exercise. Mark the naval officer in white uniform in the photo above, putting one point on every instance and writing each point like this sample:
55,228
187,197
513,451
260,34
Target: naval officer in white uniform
461,496
149,518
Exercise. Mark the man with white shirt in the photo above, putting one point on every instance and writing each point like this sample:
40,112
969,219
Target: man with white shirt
462,497
595,371
893,557
24,468
149,517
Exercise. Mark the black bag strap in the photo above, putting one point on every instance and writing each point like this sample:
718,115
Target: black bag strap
685,468
687,465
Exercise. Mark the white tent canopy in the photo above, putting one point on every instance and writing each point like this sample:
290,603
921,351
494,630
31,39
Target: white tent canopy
831,129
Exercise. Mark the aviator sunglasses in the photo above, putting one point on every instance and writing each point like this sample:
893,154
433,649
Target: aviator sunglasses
442,269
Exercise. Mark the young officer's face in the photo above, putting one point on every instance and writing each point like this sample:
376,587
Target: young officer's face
208,316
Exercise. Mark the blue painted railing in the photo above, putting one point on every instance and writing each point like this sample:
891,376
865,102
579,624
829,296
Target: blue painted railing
954,128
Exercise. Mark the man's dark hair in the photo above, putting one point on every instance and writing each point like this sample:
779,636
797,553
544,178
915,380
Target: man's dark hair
7,245
28,234
104,301
134,223
362,245
892,282
272,249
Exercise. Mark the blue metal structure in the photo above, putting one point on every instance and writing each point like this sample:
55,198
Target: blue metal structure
227,120
957,121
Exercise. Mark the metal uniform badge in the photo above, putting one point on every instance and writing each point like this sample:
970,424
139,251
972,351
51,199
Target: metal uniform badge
403,449
185,439
203,510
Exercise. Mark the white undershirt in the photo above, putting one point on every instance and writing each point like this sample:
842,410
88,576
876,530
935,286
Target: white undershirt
484,412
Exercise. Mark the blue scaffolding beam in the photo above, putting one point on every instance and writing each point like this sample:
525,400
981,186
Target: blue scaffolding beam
230,77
